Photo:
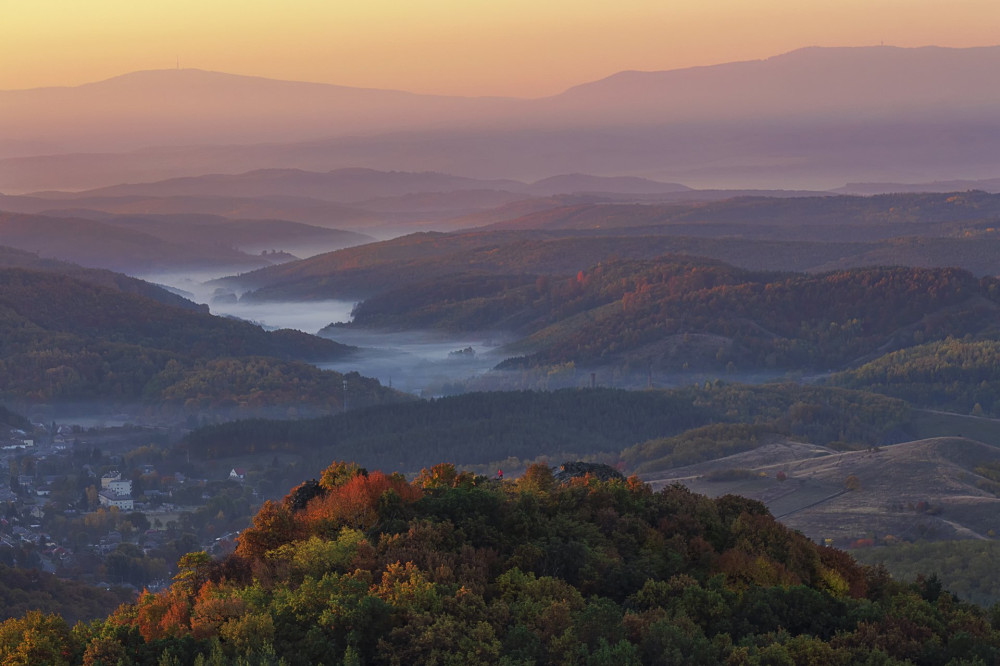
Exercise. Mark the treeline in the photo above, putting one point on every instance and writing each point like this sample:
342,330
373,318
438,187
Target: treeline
469,428
367,568
482,427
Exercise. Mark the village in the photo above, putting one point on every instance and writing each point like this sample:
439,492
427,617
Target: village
112,506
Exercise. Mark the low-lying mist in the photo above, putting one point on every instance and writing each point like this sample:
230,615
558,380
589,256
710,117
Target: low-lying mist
419,362
430,363
308,317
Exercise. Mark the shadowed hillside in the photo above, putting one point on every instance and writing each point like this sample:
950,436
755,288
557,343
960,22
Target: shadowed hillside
69,341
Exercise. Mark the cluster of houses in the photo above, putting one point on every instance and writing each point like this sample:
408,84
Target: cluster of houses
12,439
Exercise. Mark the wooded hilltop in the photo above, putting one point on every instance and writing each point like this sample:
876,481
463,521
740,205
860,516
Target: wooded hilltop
364,567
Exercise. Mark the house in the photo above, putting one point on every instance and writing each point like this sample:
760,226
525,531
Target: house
238,474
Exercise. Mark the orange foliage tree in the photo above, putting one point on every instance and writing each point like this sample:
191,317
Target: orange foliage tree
354,503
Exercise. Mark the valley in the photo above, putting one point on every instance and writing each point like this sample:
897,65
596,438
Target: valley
688,366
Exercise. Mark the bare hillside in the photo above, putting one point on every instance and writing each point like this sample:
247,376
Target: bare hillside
922,489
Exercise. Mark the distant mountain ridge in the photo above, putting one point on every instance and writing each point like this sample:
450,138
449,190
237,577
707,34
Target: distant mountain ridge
192,106
824,81
812,116
862,80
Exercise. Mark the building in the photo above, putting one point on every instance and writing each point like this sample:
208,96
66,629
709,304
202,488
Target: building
116,491
108,498
120,486
108,477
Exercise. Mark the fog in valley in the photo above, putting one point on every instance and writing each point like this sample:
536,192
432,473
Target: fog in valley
419,362
424,363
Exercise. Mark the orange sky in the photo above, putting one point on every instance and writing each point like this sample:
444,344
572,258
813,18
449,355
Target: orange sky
463,47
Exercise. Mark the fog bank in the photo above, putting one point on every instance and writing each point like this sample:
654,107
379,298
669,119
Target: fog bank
308,317
425,363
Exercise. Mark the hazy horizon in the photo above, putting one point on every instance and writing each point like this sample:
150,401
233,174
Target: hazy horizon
814,118
518,48
567,87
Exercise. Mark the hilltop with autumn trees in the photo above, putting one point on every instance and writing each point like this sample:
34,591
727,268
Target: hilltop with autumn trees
363,567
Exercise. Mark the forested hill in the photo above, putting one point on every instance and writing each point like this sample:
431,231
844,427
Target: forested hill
809,234
65,339
956,374
453,568
62,305
675,313
13,258
760,321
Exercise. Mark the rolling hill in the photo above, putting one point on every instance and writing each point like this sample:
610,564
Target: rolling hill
14,258
760,233
89,347
297,209
151,243
101,245
956,374
675,314
388,202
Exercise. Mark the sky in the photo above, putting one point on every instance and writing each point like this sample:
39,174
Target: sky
520,48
